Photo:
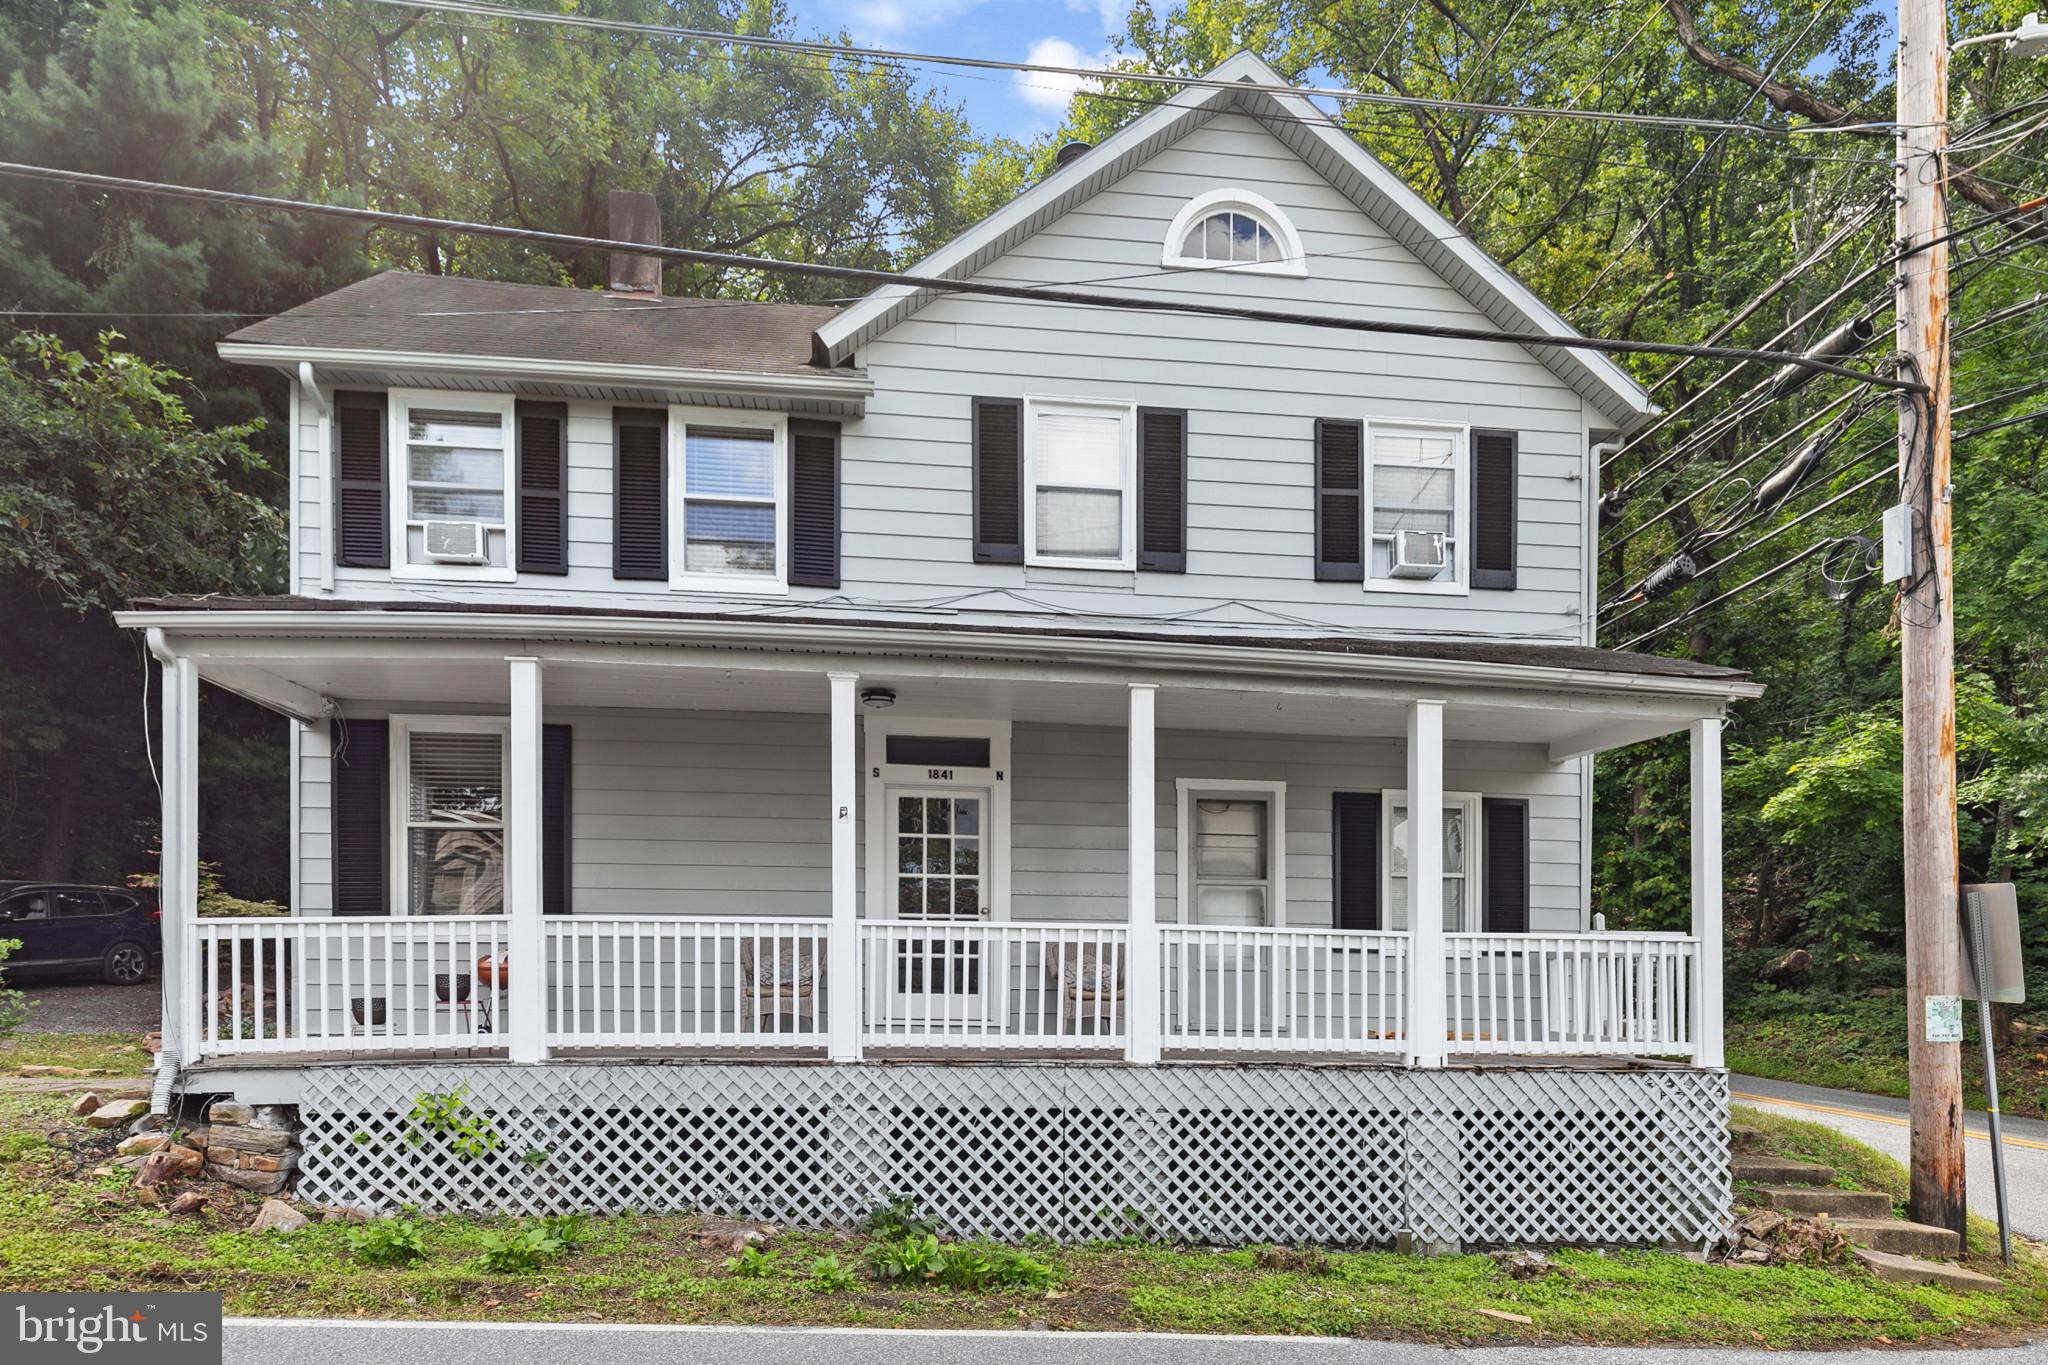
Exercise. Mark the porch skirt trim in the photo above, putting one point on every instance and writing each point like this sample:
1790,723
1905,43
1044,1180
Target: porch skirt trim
1196,1153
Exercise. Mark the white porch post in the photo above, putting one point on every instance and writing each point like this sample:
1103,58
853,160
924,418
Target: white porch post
843,984
1706,891
1427,1013
178,885
1141,957
526,992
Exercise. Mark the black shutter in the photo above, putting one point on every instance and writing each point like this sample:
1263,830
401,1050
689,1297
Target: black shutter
362,816
1340,501
1506,870
1494,511
1355,844
1163,490
556,746
362,504
639,493
998,481
543,445
814,504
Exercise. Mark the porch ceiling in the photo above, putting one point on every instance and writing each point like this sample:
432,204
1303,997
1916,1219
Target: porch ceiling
304,677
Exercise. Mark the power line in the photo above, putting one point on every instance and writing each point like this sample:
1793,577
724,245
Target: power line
847,52
934,283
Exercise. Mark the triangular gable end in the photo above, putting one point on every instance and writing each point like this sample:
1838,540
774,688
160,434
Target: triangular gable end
1380,194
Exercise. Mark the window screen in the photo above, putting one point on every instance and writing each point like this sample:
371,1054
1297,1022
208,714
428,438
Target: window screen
455,823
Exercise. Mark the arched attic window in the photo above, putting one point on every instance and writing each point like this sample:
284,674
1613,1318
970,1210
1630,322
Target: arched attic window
1234,230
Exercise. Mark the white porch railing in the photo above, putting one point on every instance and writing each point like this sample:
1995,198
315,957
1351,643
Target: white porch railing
1282,990
339,985
665,981
674,982
1603,994
933,984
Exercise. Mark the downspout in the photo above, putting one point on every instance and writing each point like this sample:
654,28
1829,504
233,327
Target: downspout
323,454
166,1072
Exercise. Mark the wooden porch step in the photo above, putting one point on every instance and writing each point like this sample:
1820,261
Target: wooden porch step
1808,1200
1778,1170
1899,1236
1898,1269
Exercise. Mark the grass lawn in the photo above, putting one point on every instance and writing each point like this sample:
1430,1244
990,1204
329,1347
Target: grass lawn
115,1054
62,1228
1861,1045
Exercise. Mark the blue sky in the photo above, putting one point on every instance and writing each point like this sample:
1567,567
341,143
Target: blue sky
1060,32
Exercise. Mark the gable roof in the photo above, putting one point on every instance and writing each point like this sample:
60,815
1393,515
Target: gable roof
402,312
1361,177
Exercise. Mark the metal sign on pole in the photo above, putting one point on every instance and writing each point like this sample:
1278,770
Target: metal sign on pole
1993,973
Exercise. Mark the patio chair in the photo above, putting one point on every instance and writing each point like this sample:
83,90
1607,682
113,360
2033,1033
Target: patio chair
1089,989
784,970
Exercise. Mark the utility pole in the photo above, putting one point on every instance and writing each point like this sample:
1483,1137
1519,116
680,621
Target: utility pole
1927,625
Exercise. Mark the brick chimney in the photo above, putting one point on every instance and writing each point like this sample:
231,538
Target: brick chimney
634,218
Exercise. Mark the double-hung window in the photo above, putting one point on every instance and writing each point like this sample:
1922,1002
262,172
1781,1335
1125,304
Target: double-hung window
1078,465
451,812
452,500
730,492
1460,861
1231,841
1417,492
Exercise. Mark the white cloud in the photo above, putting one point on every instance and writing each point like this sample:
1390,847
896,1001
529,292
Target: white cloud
1049,92
891,21
1111,13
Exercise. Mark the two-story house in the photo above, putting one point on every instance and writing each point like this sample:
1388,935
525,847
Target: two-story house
771,757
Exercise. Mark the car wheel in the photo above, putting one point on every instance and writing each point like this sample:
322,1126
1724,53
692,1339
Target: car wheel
126,964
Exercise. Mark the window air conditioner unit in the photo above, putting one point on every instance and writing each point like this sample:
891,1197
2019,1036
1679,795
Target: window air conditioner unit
455,542
1418,554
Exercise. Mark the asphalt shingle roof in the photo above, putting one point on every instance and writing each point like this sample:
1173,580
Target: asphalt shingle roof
450,315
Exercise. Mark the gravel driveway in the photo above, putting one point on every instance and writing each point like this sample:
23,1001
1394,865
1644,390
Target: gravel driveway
92,1007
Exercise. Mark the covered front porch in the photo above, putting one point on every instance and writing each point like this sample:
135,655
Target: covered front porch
1007,861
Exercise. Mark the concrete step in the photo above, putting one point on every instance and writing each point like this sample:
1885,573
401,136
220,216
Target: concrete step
1808,1200
1912,1270
1777,1170
1742,1138
1900,1237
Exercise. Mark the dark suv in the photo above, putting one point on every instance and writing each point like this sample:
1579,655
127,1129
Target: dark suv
65,927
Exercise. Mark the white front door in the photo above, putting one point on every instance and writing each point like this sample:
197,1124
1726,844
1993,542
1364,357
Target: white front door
938,879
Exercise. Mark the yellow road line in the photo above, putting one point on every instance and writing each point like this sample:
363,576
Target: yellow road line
1895,1121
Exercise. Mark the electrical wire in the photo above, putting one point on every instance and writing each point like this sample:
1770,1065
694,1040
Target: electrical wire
870,54
933,283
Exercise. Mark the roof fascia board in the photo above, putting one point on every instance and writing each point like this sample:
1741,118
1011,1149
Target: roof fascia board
1432,237
836,386
1027,213
871,637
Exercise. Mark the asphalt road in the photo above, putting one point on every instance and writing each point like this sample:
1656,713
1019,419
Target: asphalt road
1880,1120
307,1342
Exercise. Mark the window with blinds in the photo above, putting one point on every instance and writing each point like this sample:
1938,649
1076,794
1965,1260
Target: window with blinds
454,510
1079,472
1415,486
732,486
455,822
1460,859
1230,857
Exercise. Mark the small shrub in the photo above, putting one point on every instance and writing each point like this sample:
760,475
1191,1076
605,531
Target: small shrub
917,1259
981,1269
828,1276
752,1264
469,1134
572,1230
898,1220
514,1253
387,1241
14,1006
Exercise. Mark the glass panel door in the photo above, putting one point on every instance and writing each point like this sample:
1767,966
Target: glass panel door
939,879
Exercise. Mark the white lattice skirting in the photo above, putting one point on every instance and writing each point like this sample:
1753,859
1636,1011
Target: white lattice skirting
1199,1153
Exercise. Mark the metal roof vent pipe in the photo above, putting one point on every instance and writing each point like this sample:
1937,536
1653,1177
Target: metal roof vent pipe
1069,153
1845,341
634,218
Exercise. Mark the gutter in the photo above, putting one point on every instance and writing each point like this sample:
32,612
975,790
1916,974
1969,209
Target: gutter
869,638
323,452
838,386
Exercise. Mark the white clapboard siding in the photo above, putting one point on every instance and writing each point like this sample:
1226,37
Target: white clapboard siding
717,813
1252,392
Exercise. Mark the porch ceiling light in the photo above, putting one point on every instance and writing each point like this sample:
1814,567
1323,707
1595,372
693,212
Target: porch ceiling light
878,698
